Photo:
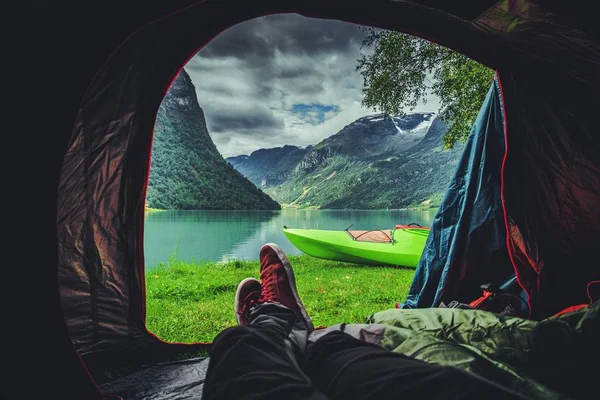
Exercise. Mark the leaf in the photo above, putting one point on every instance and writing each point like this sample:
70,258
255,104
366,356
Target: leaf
403,70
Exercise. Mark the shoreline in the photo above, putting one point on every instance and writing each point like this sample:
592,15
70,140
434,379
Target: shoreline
188,302
433,208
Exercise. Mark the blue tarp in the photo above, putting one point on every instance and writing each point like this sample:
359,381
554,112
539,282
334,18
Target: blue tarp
467,243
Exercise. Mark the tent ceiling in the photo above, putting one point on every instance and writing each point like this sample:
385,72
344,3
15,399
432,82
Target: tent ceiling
465,9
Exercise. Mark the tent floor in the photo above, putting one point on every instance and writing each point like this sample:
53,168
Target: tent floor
165,381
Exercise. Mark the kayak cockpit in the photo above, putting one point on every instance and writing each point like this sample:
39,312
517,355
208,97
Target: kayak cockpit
375,235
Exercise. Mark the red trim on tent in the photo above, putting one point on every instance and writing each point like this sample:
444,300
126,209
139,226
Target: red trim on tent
502,188
589,286
141,224
141,227
579,306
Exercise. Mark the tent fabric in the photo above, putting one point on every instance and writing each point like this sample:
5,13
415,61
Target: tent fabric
551,194
102,187
162,381
109,66
467,243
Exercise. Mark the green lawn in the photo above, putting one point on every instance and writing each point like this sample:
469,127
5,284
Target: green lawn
190,303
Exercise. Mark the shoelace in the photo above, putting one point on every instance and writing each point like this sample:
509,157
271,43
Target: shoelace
250,302
268,279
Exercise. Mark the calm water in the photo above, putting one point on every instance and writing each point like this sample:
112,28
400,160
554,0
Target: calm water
225,235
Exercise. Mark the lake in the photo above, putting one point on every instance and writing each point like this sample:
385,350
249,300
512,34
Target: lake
198,236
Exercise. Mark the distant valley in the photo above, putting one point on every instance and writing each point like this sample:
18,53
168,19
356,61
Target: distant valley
376,162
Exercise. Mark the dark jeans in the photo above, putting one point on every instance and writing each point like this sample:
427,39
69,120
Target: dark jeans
267,360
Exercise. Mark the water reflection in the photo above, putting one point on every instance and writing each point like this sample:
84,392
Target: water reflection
197,236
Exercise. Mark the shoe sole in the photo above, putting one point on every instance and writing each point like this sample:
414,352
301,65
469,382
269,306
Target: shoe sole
292,279
237,296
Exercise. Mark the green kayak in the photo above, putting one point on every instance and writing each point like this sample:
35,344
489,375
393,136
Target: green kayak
401,246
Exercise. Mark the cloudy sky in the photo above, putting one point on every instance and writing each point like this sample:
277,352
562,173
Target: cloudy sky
281,79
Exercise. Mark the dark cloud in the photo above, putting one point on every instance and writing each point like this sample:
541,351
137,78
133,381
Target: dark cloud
296,71
244,121
220,89
287,34
253,80
280,79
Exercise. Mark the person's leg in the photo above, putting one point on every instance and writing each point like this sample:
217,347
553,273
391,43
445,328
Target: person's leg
343,367
258,359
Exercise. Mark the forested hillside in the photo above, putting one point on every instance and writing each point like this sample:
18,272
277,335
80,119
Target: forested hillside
376,162
187,170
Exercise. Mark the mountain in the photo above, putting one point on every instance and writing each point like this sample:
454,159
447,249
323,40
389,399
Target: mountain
376,162
269,167
187,171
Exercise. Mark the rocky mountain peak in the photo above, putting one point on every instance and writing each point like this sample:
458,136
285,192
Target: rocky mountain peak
369,136
182,97
182,86
405,122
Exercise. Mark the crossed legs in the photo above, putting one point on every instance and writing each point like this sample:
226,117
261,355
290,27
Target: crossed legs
268,355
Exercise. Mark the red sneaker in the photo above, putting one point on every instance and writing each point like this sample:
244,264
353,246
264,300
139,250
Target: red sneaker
246,298
278,284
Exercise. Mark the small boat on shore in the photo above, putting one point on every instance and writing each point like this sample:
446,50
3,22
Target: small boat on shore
401,246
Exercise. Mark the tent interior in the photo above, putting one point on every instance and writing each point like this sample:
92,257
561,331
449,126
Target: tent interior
111,67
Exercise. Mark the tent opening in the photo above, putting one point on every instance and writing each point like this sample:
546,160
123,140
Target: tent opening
538,106
289,121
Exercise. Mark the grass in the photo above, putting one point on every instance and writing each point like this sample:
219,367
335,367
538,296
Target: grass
193,303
